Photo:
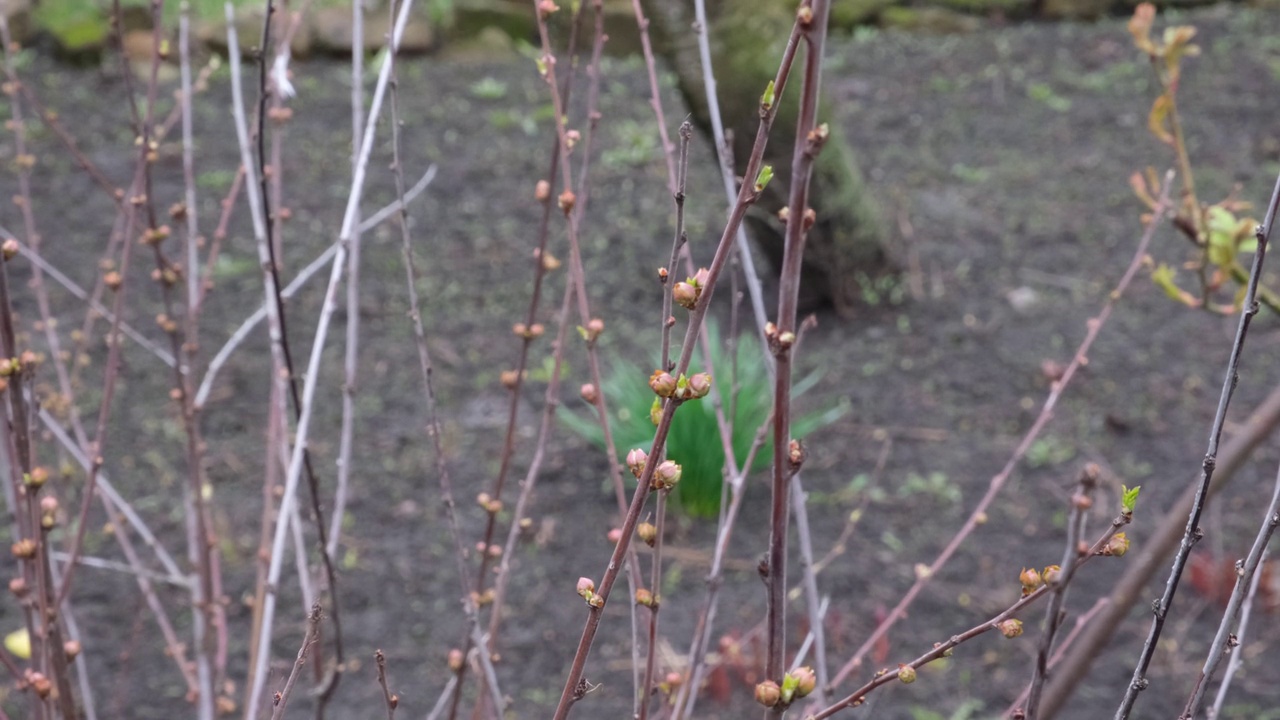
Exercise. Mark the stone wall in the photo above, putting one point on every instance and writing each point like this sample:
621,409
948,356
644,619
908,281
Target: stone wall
79,29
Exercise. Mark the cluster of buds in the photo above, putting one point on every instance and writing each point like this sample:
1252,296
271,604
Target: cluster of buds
154,236
24,549
169,276
636,459
795,454
482,599
1010,628
528,332
37,682
587,591
682,388
48,512
36,479
686,293
808,217
666,476
493,550
778,340
796,684
646,598
1117,546
594,327
10,366
491,505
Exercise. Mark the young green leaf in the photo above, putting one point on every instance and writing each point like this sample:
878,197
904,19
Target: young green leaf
1129,498
762,180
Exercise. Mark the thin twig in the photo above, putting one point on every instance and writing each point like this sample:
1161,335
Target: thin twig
1192,533
313,633
1054,615
390,699
1227,642
1237,658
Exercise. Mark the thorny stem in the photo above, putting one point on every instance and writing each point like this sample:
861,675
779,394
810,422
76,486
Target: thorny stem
1192,533
1092,328
808,144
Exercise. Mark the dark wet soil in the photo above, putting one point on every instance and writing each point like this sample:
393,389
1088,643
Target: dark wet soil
1001,158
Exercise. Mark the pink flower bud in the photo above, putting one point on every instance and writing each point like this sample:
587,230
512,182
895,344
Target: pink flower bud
666,476
686,295
805,680
1052,575
1117,546
700,278
589,393
1031,581
768,693
615,534
1010,628
662,383
586,587
700,385
636,459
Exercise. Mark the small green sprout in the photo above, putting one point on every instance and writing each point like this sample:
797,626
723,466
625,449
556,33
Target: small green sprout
1129,498
762,180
